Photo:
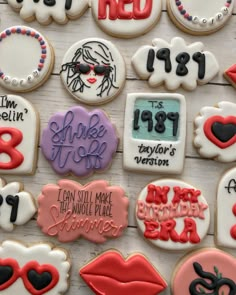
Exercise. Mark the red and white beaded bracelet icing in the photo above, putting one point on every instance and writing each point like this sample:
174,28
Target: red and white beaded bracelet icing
200,17
18,72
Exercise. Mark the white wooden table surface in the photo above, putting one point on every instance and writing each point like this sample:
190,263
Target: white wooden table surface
201,173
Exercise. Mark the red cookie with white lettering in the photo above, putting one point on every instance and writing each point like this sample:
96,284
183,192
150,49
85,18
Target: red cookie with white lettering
112,274
230,75
172,214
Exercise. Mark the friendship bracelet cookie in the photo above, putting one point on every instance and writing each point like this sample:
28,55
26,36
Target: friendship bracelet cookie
126,19
26,59
230,75
200,17
206,271
95,211
16,206
131,275
154,132
19,134
79,142
172,214
38,269
93,71
215,132
175,64
226,210
44,11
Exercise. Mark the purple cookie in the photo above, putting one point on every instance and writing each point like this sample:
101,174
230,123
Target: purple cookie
79,141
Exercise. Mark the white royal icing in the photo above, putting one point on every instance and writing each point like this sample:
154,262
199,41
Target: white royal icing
92,88
25,52
18,113
41,253
25,210
226,218
127,26
154,150
207,16
44,13
210,147
189,217
158,74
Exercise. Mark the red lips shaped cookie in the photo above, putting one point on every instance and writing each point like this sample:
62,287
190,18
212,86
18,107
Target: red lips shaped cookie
112,274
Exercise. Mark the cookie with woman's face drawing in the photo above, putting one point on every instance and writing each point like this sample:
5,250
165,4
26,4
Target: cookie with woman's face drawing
93,71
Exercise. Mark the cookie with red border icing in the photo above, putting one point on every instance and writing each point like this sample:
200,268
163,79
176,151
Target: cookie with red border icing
111,273
31,52
95,211
37,269
44,11
200,17
230,75
206,271
126,19
172,214
215,132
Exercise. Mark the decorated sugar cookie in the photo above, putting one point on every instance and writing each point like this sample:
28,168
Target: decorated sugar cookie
16,206
19,128
226,210
111,273
79,142
172,214
175,64
26,59
215,132
230,75
44,11
200,17
38,269
95,211
93,71
154,132
206,271
126,19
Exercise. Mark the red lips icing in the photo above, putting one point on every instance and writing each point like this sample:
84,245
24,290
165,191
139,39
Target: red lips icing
225,122
111,274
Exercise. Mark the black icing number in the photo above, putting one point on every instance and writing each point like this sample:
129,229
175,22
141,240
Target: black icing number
160,119
183,58
12,201
68,3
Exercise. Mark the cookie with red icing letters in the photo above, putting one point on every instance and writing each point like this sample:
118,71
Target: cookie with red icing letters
111,273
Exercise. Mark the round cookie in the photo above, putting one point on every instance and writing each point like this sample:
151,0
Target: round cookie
111,273
126,19
200,17
215,129
206,271
37,269
79,142
44,11
95,211
93,71
26,59
172,214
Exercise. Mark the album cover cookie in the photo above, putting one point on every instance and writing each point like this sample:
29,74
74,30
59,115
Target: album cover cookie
44,11
37,269
126,19
111,273
26,59
93,71
200,17
79,142
175,64
172,214
215,132
226,210
95,211
206,271
154,132
19,132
